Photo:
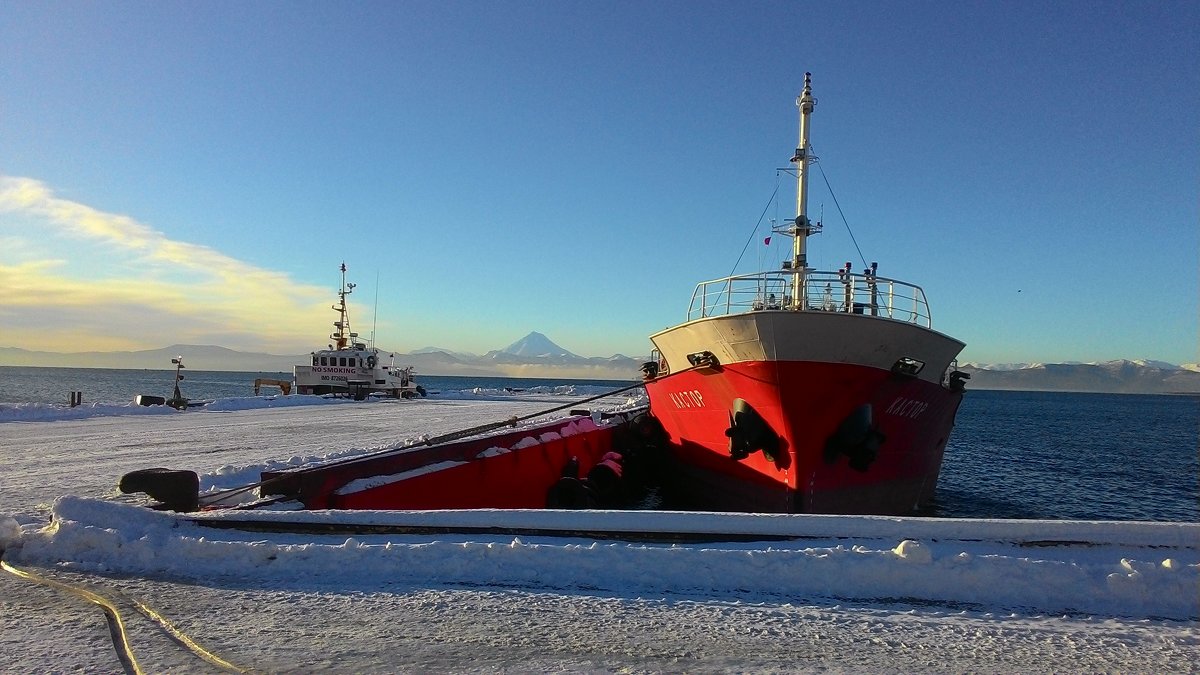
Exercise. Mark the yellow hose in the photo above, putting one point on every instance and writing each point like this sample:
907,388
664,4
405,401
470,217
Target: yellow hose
117,625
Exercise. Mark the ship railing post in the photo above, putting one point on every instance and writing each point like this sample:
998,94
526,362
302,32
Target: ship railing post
847,295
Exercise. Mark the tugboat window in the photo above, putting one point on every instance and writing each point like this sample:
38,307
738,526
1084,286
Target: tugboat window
323,362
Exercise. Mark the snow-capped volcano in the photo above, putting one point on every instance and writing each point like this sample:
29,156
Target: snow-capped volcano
535,345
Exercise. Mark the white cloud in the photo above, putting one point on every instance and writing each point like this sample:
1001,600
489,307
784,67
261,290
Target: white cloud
132,286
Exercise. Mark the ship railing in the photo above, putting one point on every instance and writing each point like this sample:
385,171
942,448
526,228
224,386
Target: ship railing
839,291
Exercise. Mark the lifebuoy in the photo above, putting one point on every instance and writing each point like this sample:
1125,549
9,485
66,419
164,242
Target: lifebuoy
371,361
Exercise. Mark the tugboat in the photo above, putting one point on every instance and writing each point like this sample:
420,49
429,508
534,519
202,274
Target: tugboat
800,391
350,367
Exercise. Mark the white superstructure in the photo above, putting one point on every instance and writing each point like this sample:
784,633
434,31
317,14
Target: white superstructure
352,367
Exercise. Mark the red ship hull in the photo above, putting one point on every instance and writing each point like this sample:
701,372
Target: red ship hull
913,416
513,470
829,371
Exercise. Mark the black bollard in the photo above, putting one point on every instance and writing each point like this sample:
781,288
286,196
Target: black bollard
177,490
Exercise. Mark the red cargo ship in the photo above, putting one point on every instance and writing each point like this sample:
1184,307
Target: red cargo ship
801,391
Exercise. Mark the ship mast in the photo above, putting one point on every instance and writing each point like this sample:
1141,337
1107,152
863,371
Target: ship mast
341,335
805,102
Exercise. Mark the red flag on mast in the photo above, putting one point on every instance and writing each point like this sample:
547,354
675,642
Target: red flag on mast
767,241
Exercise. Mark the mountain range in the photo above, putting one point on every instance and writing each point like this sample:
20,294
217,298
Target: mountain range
536,355
1118,377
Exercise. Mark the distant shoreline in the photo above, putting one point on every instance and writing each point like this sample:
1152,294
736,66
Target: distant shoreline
535,378
1193,394
288,373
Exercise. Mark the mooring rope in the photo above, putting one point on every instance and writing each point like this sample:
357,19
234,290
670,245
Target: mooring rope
512,421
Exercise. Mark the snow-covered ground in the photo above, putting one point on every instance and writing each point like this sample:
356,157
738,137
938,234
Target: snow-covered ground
814,593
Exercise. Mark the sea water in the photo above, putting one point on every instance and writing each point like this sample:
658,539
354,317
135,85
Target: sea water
1059,455
1049,455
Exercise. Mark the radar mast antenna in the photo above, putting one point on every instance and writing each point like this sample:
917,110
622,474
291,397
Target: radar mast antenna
805,102
341,334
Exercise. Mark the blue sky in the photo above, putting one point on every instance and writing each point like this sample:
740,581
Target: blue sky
196,172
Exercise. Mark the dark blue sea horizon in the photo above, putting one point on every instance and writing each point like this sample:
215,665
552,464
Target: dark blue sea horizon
1012,454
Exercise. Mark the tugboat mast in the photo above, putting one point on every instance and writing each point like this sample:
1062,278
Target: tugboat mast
805,102
341,335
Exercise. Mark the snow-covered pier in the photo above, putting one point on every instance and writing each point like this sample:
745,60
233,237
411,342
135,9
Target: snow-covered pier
550,590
